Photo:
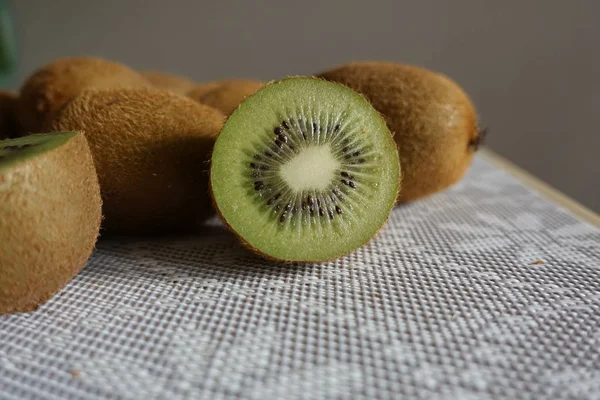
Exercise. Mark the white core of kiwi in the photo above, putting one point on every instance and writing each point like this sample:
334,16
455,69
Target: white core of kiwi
314,168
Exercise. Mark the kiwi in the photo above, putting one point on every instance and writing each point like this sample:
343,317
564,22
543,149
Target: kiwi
170,82
51,86
50,211
201,89
151,151
225,95
8,120
434,122
305,170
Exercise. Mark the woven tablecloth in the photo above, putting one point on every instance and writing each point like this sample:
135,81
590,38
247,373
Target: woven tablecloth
483,291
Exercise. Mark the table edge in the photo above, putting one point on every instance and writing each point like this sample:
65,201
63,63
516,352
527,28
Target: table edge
542,187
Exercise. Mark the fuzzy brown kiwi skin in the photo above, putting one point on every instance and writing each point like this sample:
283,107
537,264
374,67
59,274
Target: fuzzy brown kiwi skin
201,89
9,127
433,120
49,224
269,257
53,85
225,95
150,148
171,82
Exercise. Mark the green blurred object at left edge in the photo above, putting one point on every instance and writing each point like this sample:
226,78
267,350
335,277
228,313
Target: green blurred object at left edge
8,46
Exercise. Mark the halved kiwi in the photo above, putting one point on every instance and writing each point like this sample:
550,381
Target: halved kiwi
305,170
50,211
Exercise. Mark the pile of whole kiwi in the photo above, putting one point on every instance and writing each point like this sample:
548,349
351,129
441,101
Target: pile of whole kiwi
301,169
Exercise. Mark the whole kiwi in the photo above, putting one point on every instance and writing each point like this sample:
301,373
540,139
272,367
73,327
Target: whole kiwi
50,212
151,150
170,82
51,86
225,95
201,89
8,120
433,121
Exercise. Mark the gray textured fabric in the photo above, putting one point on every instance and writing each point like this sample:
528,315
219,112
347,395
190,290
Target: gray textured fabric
483,291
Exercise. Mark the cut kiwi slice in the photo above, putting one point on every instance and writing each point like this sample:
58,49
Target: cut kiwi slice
305,170
50,213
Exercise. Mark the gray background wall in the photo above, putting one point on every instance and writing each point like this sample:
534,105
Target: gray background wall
531,66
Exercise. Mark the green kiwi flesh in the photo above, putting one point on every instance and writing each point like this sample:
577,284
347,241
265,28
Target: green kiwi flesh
305,170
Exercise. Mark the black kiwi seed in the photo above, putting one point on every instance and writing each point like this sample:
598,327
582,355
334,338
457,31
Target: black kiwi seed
288,206
279,143
258,186
285,124
321,212
268,154
282,138
352,184
337,193
278,130
361,160
282,218
252,165
345,182
257,157
345,174
336,128
345,150
356,153
272,199
338,209
314,125
330,213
